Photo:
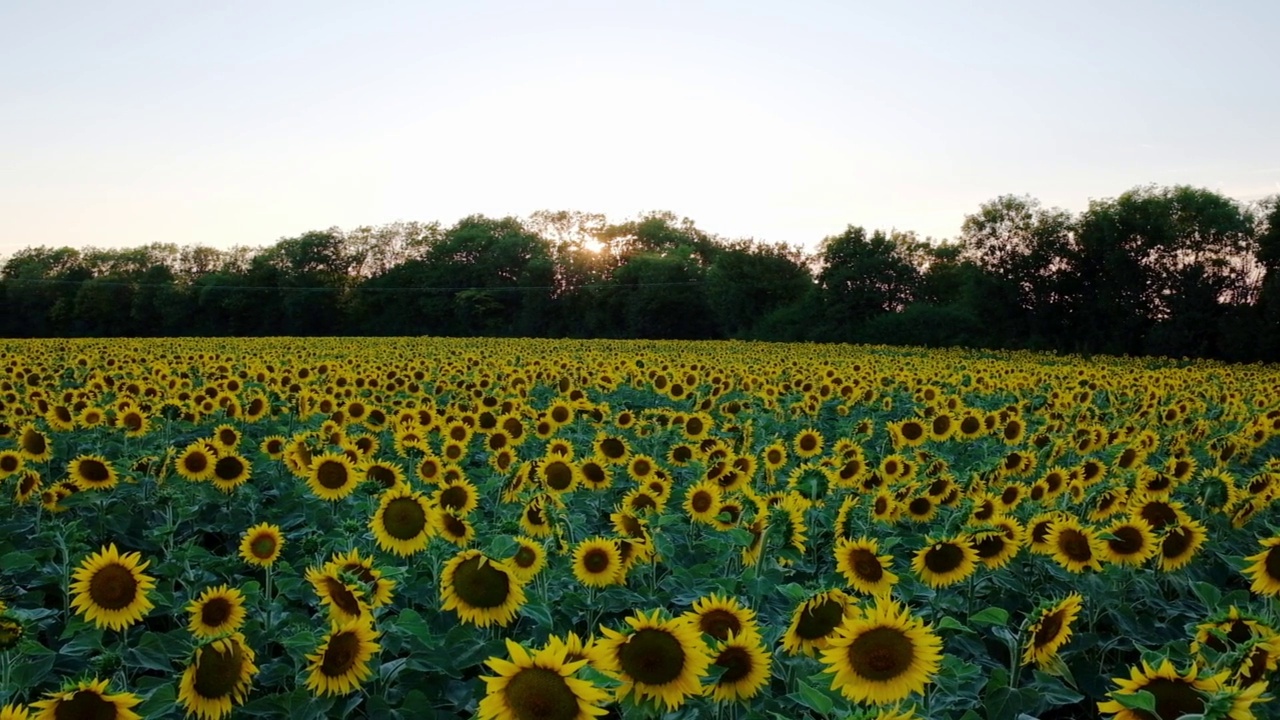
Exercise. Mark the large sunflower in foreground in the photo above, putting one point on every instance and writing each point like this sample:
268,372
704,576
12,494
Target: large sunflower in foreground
341,663
945,562
86,699
527,560
218,678
814,621
110,589
746,669
261,544
481,590
92,472
722,617
538,685
402,522
344,601
658,659
1051,630
1128,541
333,476
1265,570
14,712
1176,694
883,655
863,567
1074,546
218,610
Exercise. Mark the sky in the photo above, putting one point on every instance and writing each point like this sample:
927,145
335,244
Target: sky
238,123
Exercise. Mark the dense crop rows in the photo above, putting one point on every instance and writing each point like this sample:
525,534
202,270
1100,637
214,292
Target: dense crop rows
534,529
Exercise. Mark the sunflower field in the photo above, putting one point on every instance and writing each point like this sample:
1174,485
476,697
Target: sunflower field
564,530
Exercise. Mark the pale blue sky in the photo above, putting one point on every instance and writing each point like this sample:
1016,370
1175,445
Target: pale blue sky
224,123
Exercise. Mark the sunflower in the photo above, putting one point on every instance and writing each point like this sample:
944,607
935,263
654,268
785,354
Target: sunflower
11,461
1260,661
14,712
481,590
528,559
218,678
110,589
11,631
34,444
1176,694
230,471
559,475
994,547
658,659
775,456
341,663
746,669
612,448
807,443
815,620
597,563
1231,626
195,462
261,544
333,476
92,472
538,685
907,433
457,530
1074,546
1265,570
723,617
534,520
1180,544
945,562
386,474
1038,529
594,474
217,611
864,569
882,656
1051,630
86,699
702,501
226,437
344,601
885,508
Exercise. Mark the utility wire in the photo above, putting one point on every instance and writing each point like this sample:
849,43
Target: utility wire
323,288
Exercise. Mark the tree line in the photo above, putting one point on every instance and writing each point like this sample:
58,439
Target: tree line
1176,271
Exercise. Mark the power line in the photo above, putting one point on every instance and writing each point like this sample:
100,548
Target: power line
356,288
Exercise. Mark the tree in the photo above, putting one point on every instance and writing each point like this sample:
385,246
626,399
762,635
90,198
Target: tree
749,280
866,275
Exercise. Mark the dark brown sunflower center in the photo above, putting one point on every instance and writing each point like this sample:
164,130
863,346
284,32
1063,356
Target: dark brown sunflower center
215,611
228,437
113,587
404,518
263,547
454,497
534,515
920,506
1158,514
1048,629
1176,543
196,462
808,443
1271,563
526,557
613,448
559,475
970,425
275,446
34,443
912,431
86,705
643,501
718,623
774,457
941,425
641,468
341,654
738,663
593,473
8,463
701,501
342,597
694,426
943,558
881,505
865,565
218,673
480,584
540,694
228,468
332,475
1075,545
95,471
384,476
881,654
733,511
652,656
989,546
597,561
1174,698
818,620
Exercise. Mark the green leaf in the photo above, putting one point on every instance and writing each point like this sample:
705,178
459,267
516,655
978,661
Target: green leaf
538,613
1208,594
1140,700
413,623
949,623
815,699
990,616
17,561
